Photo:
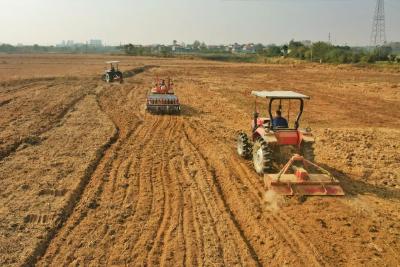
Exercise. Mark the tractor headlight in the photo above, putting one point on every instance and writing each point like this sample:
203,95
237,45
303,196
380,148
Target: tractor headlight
308,130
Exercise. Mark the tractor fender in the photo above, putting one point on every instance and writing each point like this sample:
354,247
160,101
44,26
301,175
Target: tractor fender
268,137
307,139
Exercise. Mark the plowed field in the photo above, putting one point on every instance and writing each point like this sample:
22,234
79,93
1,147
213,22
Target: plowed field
87,177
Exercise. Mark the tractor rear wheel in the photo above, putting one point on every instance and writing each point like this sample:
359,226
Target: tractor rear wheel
307,151
262,156
121,78
243,146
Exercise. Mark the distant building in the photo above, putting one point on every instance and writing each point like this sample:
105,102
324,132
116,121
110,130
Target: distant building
249,48
235,48
96,43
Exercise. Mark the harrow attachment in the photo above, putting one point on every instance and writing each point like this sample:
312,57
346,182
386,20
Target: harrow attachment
163,104
162,99
302,177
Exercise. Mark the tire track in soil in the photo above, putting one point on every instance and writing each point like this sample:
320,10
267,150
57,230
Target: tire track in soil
208,172
71,203
170,209
135,208
95,189
281,227
232,232
56,121
190,228
160,198
280,219
141,210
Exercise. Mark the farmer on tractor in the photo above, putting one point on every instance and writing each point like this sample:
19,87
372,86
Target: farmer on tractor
113,73
275,143
279,121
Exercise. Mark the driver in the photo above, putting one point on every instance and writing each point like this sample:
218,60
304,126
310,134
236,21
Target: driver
279,121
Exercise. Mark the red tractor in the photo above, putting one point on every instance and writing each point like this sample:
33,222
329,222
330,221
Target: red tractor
162,98
276,140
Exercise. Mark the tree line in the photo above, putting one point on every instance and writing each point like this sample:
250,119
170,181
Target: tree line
326,52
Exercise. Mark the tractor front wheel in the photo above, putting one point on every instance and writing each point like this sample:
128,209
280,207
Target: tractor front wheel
108,77
262,156
243,146
307,151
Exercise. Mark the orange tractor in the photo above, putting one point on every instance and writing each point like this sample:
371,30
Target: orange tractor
277,141
162,98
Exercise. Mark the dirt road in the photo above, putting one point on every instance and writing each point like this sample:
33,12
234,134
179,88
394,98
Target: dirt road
89,178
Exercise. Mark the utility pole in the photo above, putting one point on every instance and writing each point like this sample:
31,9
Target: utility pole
378,34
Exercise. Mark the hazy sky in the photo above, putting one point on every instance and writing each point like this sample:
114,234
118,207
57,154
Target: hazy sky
212,21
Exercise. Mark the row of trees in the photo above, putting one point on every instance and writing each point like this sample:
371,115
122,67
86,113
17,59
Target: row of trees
326,52
318,52
139,50
7,48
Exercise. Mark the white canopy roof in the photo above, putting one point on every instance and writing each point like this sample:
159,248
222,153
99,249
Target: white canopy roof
112,62
279,94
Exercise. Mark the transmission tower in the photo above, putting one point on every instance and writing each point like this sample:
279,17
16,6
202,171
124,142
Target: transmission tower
378,35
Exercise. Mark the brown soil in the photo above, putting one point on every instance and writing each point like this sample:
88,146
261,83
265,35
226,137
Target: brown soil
88,178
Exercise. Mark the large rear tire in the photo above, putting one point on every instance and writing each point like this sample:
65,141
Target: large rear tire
262,156
121,78
243,146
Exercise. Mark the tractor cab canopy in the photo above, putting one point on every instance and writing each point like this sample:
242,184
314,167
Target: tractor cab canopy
279,94
113,64
282,102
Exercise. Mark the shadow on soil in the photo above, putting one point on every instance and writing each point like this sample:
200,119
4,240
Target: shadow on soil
189,111
135,71
353,187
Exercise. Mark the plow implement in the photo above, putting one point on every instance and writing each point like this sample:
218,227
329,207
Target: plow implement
162,99
163,103
302,177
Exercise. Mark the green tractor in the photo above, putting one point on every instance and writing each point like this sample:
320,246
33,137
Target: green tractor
113,74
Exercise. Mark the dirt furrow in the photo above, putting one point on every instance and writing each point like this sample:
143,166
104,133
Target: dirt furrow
196,169
134,220
193,230
161,251
135,208
93,197
136,215
20,132
230,234
276,218
72,180
253,201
